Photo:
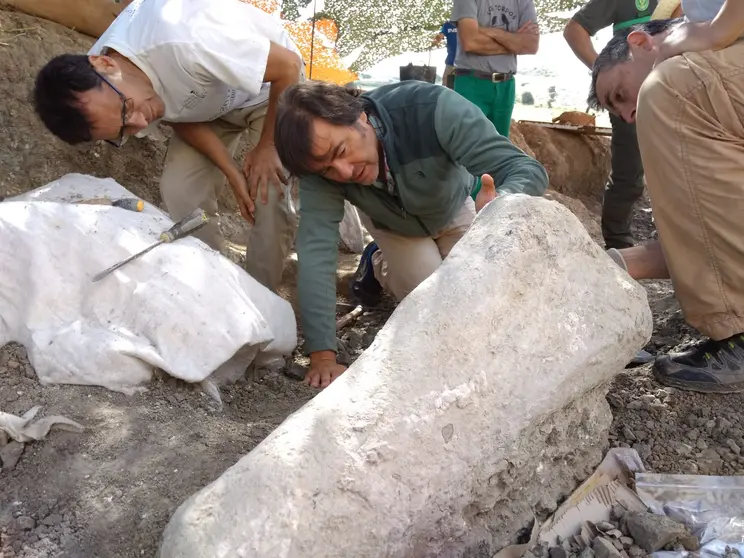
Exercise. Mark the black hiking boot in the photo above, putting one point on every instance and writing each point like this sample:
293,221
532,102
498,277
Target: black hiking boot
712,367
365,288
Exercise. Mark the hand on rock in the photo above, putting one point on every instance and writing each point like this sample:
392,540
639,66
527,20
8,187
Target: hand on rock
486,194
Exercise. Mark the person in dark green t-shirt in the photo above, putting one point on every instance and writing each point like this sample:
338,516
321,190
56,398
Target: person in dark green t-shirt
625,183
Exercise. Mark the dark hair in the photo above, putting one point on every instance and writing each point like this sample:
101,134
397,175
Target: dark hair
302,103
56,96
618,50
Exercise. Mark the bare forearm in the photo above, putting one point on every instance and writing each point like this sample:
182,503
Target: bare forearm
581,43
277,88
201,137
728,25
483,44
516,43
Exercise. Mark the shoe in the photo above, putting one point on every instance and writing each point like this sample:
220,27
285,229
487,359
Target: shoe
642,357
712,367
365,288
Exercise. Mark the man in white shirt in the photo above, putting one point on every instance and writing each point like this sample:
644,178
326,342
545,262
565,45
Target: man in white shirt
212,69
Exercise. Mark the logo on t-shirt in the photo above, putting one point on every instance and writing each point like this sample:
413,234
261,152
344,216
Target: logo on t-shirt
641,5
502,16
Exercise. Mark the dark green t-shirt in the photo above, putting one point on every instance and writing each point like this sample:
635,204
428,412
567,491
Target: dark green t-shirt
598,14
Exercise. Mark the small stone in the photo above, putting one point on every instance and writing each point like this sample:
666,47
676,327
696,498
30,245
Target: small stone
604,526
296,371
32,538
354,340
731,552
615,533
710,425
26,523
693,434
343,357
10,454
653,532
627,541
367,339
53,519
172,400
701,444
648,398
557,552
614,401
618,545
723,423
629,435
683,449
587,553
690,542
605,549
733,445
617,512
636,552
635,405
3,438
13,364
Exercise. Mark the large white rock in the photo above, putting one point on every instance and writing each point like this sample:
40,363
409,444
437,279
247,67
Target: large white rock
480,402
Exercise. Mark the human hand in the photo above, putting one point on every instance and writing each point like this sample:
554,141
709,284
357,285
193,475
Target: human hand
239,186
263,169
687,37
486,194
323,369
530,28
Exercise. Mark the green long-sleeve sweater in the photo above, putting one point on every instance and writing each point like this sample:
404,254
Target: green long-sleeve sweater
435,142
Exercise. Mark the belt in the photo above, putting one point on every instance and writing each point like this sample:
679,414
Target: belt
492,77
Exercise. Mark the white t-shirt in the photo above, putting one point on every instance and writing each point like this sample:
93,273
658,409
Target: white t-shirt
701,10
204,58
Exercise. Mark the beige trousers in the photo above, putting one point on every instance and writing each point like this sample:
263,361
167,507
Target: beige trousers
191,180
690,124
403,262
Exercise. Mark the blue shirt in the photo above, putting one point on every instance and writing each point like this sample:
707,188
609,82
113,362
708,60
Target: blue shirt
449,30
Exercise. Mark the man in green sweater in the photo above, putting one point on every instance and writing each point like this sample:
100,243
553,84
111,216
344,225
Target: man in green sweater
406,155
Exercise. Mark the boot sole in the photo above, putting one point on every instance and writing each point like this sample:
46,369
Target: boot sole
699,387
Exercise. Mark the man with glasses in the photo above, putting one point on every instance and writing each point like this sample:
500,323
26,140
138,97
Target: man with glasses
212,69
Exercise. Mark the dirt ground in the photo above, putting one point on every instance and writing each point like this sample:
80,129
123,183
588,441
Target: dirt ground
110,490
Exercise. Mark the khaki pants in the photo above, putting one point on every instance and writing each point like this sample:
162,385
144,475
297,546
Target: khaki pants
191,180
403,262
691,133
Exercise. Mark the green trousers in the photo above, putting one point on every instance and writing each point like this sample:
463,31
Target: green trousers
496,100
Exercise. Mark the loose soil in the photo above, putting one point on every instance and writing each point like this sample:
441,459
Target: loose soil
110,490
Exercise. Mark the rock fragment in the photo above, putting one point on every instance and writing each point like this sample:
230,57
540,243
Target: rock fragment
10,454
603,548
653,532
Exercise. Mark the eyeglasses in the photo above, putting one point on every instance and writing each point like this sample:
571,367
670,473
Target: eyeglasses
127,108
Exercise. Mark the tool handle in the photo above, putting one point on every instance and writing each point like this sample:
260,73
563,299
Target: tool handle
185,226
132,204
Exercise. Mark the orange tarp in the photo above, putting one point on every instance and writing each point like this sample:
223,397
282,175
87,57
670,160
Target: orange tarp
326,63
